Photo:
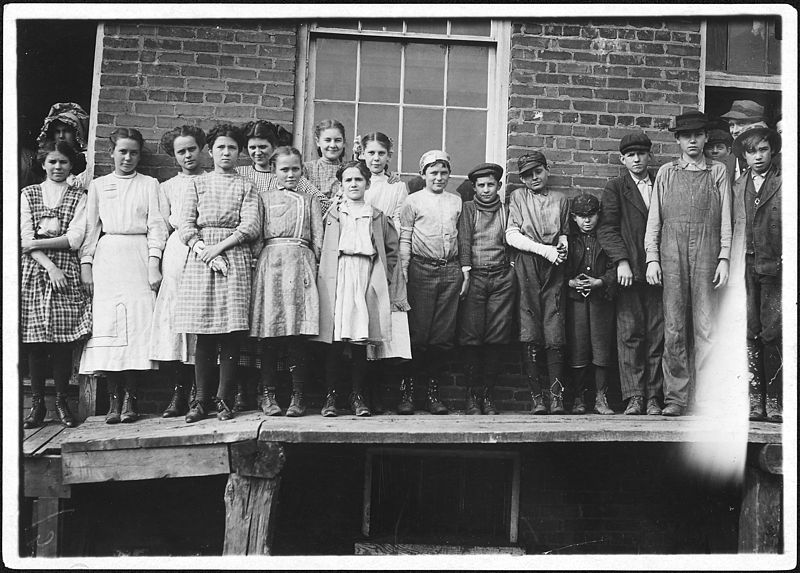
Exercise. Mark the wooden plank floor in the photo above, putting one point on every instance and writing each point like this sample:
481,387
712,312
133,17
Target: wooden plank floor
154,432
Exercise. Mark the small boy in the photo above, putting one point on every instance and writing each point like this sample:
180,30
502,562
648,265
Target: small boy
758,191
743,114
591,278
485,320
639,306
719,143
538,223
688,236
430,264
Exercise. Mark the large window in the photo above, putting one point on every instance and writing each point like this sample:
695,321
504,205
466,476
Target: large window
426,84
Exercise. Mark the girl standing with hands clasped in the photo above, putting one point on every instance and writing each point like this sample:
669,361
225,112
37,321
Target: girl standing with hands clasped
218,219
55,310
285,300
122,267
184,143
358,256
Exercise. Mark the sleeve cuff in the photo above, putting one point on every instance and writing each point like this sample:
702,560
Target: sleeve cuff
87,260
154,252
652,259
725,253
466,268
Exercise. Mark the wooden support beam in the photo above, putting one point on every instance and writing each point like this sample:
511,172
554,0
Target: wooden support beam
47,521
761,517
42,477
87,396
251,497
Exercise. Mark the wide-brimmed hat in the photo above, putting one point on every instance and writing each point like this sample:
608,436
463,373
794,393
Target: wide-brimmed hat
70,114
690,121
745,109
772,136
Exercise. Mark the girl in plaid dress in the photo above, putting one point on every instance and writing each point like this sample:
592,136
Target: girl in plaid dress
175,350
123,268
285,299
55,309
219,219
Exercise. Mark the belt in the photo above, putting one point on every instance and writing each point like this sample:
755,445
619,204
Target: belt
434,262
287,241
493,269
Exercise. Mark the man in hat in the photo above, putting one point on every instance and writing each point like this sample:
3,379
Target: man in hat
639,307
485,313
538,223
757,231
430,264
592,278
742,115
687,245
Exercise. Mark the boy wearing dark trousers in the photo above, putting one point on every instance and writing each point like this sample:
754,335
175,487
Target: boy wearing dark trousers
430,263
485,319
591,281
757,195
639,306
688,244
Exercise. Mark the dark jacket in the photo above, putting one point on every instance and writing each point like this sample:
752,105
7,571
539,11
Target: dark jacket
623,221
766,220
594,262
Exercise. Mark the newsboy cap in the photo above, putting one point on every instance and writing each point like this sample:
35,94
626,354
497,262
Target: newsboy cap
635,142
485,169
584,205
531,160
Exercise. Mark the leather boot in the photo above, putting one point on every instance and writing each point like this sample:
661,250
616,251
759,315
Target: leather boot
756,388
296,406
435,405
129,413
224,410
36,416
179,404
62,409
487,404
473,402
269,402
197,411
578,406
241,402
773,364
601,403
114,404
538,404
557,397
406,405
329,407
358,406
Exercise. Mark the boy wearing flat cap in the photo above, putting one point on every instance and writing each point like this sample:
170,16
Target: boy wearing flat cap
718,145
430,264
591,279
743,114
688,243
538,223
757,231
485,314
639,308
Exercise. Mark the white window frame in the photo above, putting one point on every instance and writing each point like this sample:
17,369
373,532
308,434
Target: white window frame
499,67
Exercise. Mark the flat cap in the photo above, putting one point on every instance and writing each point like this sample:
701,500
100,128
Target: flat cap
719,136
531,160
584,205
635,142
433,156
485,169
745,109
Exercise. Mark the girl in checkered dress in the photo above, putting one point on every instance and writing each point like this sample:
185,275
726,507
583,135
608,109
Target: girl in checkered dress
55,311
121,259
219,219
175,350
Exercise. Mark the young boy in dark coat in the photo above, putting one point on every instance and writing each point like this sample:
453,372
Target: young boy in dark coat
639,306
591,278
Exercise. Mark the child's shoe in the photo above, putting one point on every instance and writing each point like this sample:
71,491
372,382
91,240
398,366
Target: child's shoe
487,404
197,411
406,405
224,412
774,409
269,403
62,410
35,417
129,413
635,406
358,406
473,402
296,407
653,407
578,407
329,408
435,405
672,410
538,404
601,404
557,398
241,403
114,406
178,405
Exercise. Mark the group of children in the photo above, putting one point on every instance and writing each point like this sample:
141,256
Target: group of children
277,256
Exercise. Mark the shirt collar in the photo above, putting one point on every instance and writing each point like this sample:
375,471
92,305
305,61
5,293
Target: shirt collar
704,164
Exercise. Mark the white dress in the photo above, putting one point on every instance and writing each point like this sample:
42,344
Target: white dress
389,198
356,251
125,209
165,343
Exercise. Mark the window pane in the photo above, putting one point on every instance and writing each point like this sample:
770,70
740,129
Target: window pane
773,50
422,130
380,72
466,76
336,69
383,118
424,81
747,47
382,25
471,27
427,26
342,24
466,139
345,113
716,45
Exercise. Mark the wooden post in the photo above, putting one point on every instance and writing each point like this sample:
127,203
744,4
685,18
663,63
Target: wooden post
251,497
47,521
761,517
87,396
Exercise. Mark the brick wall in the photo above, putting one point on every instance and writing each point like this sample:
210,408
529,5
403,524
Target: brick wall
158,76
577,87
